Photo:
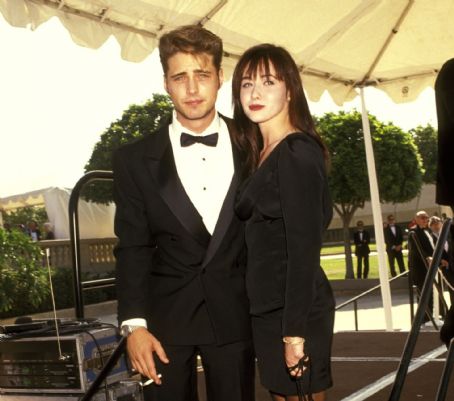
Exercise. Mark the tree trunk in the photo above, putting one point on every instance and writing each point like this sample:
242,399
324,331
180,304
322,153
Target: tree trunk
349,273
346,212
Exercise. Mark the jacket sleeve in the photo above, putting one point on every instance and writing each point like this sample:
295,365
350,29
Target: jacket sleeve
301,175
134,250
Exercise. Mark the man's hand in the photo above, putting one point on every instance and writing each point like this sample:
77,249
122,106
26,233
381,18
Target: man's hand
141,345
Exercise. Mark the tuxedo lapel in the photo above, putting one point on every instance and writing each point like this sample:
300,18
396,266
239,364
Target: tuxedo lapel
161,164
227,211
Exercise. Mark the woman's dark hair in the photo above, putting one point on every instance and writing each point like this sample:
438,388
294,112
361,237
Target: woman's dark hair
250,64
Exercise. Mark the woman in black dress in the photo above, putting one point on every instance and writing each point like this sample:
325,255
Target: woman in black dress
286,205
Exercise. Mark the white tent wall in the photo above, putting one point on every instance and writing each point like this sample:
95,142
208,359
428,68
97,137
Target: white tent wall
95,220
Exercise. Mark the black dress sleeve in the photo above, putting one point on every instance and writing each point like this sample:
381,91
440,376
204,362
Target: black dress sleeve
301,174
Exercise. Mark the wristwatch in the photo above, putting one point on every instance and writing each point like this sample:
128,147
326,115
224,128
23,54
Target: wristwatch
127,329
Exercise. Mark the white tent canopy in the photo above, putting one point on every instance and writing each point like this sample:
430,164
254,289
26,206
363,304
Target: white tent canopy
95,220
395,45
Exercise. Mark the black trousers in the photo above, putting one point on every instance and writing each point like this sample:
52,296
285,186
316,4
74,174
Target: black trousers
418,276
392,257
229,373
359,267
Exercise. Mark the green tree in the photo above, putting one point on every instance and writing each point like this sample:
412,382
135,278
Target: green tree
24,215
23,280
426,140
136,122
398,166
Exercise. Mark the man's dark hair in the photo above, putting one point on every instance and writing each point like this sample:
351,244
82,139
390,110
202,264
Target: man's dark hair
190,39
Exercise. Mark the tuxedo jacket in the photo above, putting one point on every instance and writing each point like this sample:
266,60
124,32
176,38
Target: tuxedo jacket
449,270
444,97
361,247
170,270
391,239
416,257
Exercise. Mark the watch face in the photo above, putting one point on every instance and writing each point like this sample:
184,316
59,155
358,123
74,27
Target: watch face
125,330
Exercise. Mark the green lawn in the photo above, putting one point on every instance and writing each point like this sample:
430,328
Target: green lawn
331,250
335,268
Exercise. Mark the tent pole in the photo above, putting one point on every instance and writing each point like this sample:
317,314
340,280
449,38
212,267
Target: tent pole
376,213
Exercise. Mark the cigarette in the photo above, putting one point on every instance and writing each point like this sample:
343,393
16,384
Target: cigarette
149,381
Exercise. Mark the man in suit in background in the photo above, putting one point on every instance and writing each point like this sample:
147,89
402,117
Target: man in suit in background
180,256
361,238
394,238
446,264
444,97
420,250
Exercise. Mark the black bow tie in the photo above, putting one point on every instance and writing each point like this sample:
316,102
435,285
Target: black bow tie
208,140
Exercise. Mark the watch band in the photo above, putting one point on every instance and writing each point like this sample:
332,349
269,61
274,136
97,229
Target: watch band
127,329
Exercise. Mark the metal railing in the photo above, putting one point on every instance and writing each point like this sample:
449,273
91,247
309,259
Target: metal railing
79,285
420,311
356,298
446,374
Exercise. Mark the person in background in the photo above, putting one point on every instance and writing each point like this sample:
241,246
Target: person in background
48,231
180,259
33,231
361,238
420,250
446,265
286,205
394,238
444,98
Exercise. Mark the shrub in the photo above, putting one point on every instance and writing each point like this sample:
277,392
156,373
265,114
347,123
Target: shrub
23,279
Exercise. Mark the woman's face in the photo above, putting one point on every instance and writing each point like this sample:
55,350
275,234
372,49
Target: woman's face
264,98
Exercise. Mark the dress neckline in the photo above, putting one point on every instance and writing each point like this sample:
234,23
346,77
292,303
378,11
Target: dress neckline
259,167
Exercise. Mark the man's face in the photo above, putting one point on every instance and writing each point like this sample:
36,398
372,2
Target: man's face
422,220
391,220
192,83
436,226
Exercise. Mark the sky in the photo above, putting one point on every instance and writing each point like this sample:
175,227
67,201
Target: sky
57,98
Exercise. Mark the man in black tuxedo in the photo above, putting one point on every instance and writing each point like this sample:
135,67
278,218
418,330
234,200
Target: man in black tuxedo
420,250
394,237
180,257
444,97
446,264
361,238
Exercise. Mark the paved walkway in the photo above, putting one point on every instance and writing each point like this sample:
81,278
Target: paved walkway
363,363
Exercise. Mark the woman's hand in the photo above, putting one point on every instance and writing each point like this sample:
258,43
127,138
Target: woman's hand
294,352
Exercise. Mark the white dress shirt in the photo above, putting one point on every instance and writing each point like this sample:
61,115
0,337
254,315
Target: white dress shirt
204,171
393,229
